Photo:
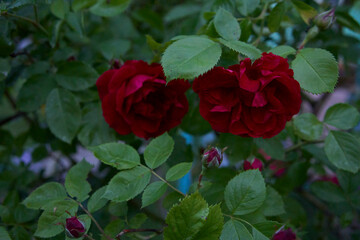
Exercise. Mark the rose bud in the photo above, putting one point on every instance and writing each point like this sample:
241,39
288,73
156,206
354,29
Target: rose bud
256,164
329,178
287,234
212,158
74,228
325,20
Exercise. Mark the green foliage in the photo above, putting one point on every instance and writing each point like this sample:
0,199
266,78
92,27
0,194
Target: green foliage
234,229
273,204
246,7
306,11
242,48
178,171
328,191
316,70
283,51
4,234
105,9
213,225
75,181
245,193
276,16
158,150
342,116
308,127
226,25
96,200
272,146
153,192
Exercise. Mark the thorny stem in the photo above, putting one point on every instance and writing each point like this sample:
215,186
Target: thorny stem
36,24
125,231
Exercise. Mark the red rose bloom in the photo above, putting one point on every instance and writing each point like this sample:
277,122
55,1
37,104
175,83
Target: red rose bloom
249,99
287,234
74,227
256,164
135,98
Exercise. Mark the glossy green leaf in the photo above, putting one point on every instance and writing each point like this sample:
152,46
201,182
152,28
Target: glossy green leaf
283,51
153,192
158,150
113,8
226,25
235,230
343,150
190,57
75,181
63,114
178,171
276,16
245,193
96,200
246,7
342,116
45,194
127,184
308,127
306,11
211,230
118,155
185,219
316,70
242,48
76,76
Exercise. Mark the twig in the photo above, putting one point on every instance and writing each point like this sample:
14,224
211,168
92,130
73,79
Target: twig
88,236
125,231
8,119
36,24
13,105
300,144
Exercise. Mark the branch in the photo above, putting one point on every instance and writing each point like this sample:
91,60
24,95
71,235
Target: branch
125,231
8,119
300,144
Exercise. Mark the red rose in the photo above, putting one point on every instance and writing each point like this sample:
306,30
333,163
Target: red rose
74,227
256,164
212,157
135,98
249,99
287,234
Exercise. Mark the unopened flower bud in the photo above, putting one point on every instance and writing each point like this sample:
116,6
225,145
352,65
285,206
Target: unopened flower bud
212,158
74,228
287,234
325,20
255,164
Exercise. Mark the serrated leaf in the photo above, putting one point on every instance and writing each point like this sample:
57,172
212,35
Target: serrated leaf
178,171
235,230
45,194
316,70
328,191
186,218
153,192
246,7
118,155
63,114
226,25
34,92
190,57
127,184
276,16
96,200
76,76
75,181
158,150
308,127
242,48
342,116
273,204
343,150
306,11
283,51
245,193
213,226
113,8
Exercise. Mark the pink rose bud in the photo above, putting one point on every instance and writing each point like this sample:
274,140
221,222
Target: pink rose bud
326,19
74,228
287,234
212,158
256,164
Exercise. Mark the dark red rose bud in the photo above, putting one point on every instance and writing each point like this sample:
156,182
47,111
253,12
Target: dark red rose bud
326,19
212,158
287,234
74,228
330,178
278,167
256,164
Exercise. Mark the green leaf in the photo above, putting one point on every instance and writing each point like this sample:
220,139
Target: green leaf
34,92
245,193
226,25
63,114
96,200
283,51
158,150
276,16
76,76
74,21
235,230
111,8
56,213
127,184
112,229
308,127
328,191
212,228
178,171
137,220
75,181
94,130
345,19
82,4
273,204
153,192
181,11
342,116
246,7
242,48
114,48
272,146
59,8
118,155
45,194
316,70
186,218
4,234
349,182
258,235
238,147
267,228
306,11
190,57
343,150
